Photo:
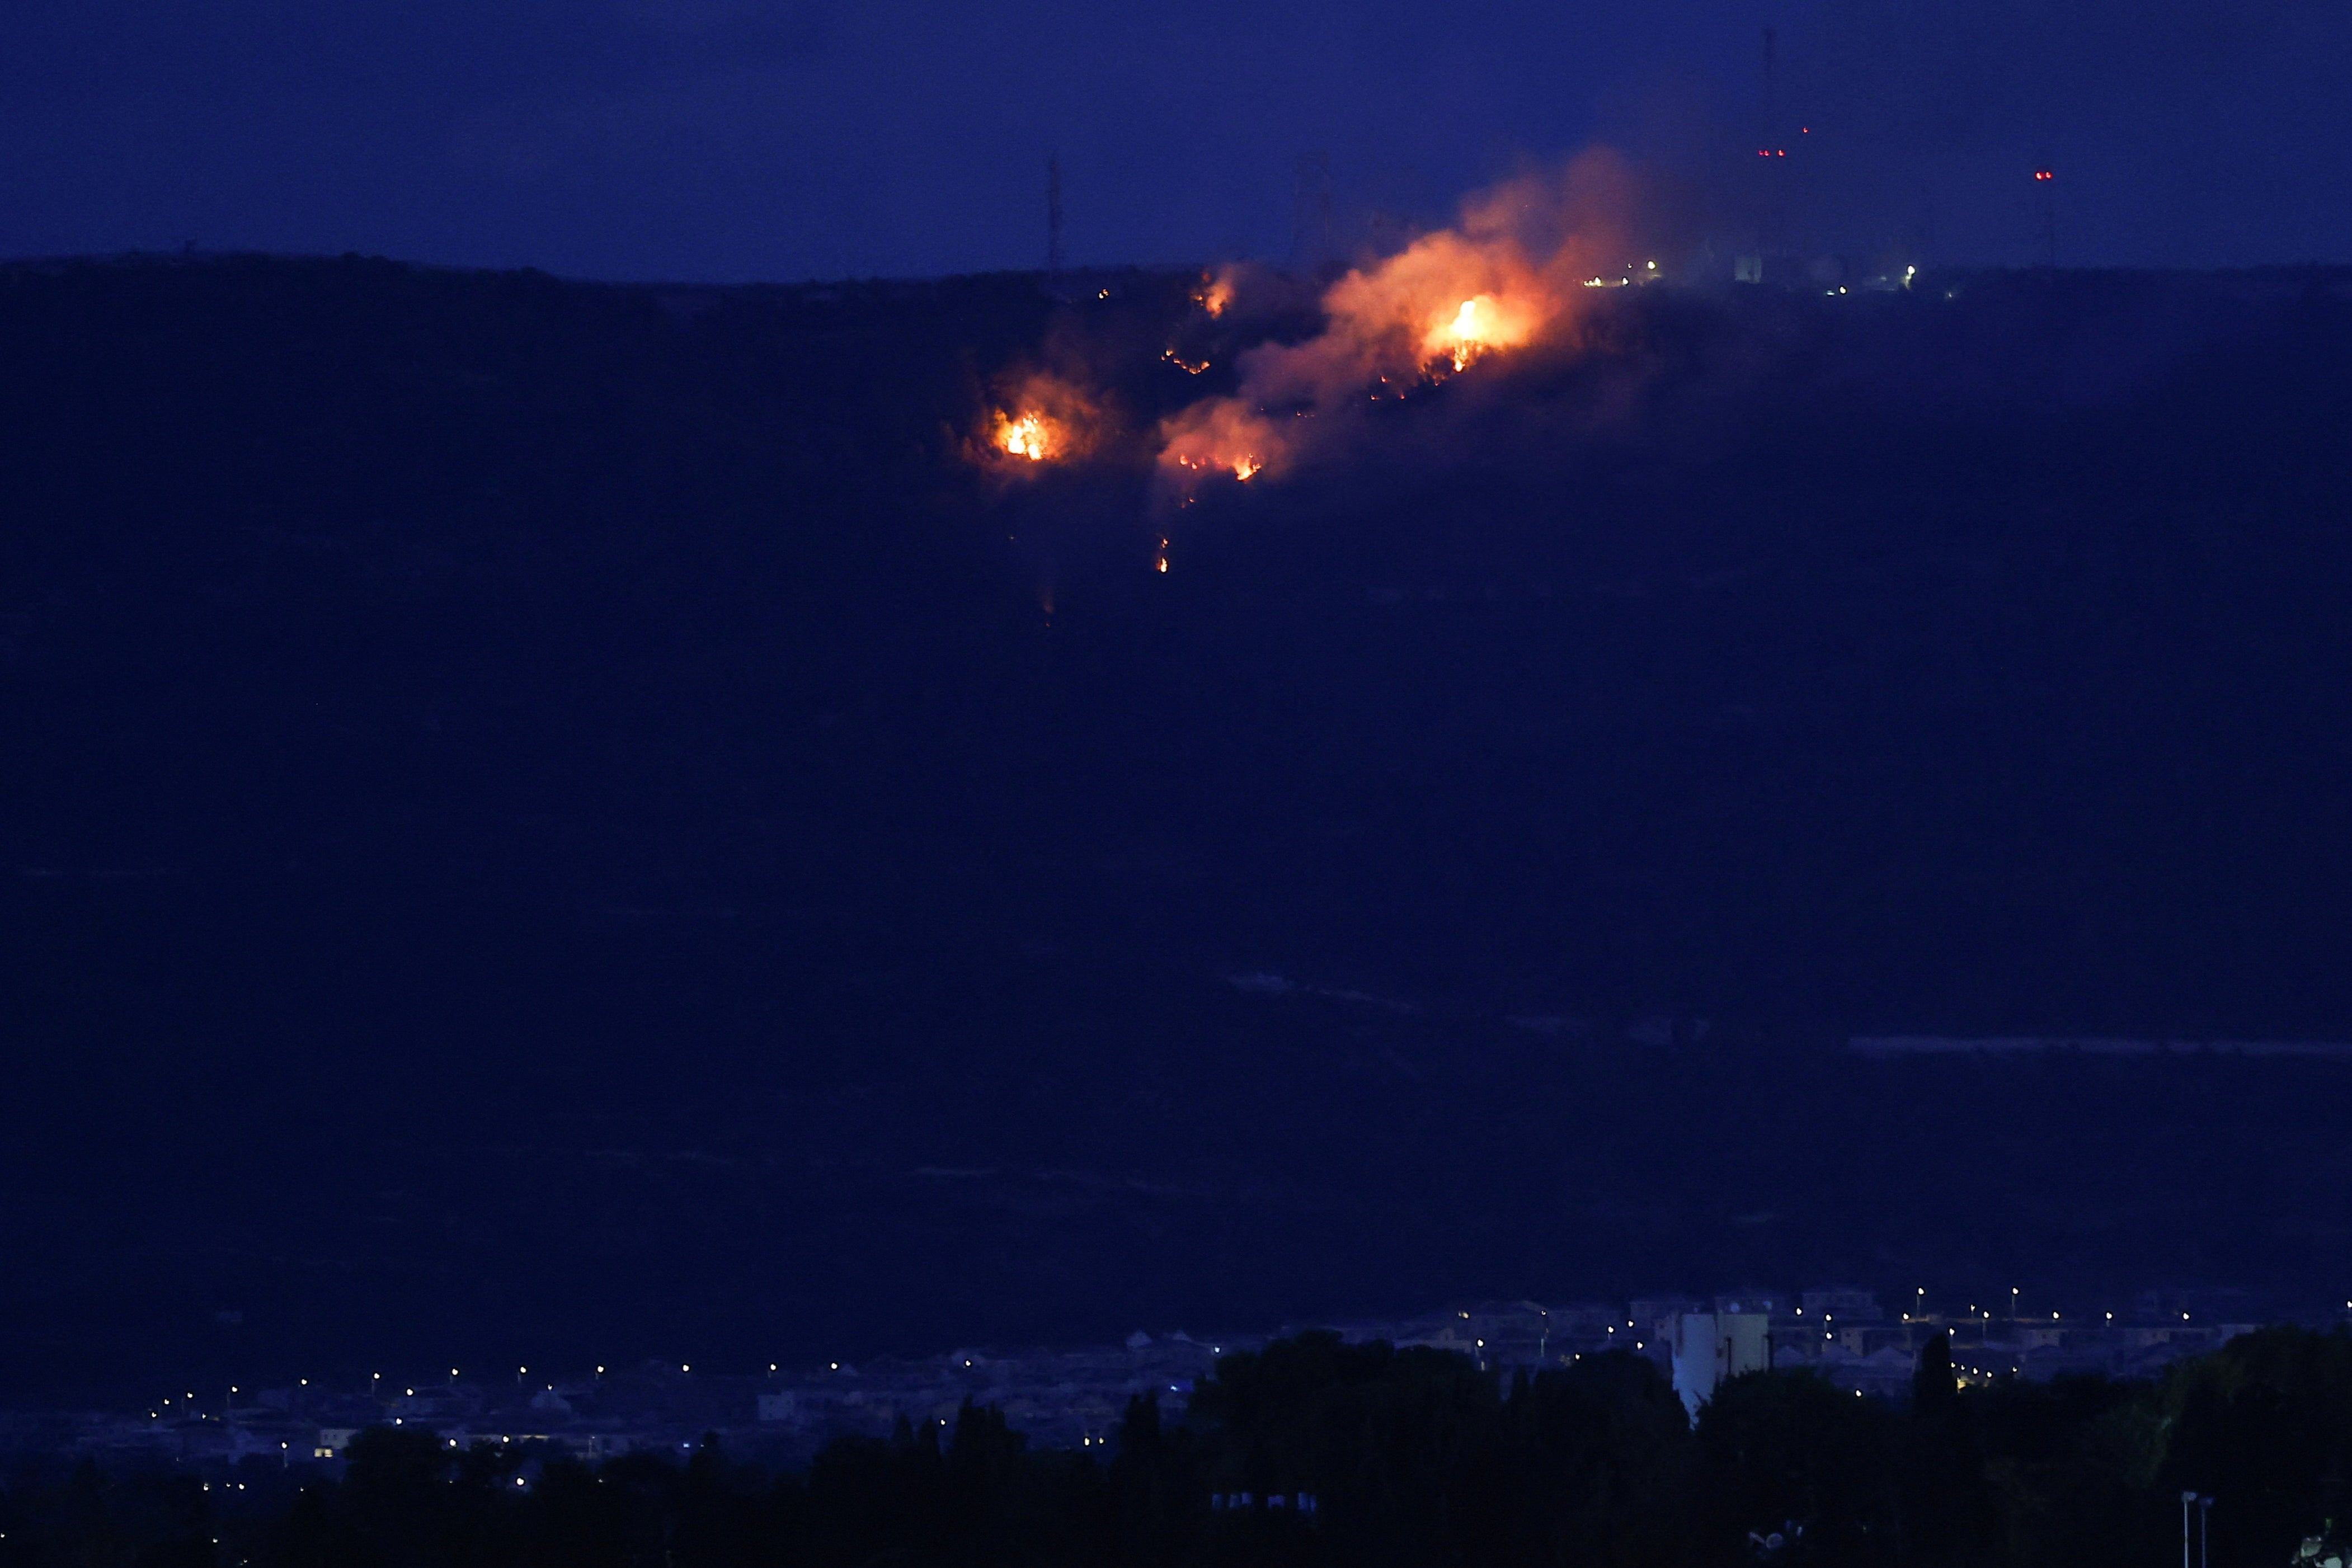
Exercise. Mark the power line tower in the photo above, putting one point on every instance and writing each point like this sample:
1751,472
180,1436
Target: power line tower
2045,184
1054,214
1311,213
1772,214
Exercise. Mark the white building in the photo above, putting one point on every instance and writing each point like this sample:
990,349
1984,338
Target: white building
1711,1346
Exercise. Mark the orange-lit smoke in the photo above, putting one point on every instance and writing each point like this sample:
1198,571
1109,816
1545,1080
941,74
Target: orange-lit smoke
1222,434
1508,277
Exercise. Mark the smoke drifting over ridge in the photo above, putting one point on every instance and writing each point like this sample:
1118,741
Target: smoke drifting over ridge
1515,272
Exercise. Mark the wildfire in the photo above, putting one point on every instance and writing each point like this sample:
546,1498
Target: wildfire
1503,278
1189,367
1032,435
1216,293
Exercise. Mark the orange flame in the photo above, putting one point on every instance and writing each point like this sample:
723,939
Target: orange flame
1038,420
1032,435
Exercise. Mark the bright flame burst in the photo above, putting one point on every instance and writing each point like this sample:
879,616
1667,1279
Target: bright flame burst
1469,342
1038,420
1032,435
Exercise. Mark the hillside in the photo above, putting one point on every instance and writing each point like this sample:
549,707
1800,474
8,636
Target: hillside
570,820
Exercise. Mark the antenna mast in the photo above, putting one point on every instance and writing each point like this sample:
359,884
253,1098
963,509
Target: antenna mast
1054,213
1311,213
1771,222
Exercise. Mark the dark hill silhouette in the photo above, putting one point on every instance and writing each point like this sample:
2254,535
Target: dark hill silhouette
568,821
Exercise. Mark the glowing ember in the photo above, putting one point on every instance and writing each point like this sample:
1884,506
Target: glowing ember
1032,437
1189,367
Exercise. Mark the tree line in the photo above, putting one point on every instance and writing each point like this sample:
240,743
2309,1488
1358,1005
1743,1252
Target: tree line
1314,1452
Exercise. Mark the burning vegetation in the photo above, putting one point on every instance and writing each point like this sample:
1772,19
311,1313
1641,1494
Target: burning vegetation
1030,434
1215,293
1040,419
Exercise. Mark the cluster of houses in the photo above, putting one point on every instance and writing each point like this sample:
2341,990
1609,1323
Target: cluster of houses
1843,1334
1075,1398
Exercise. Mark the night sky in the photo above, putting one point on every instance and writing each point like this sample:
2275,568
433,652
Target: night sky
739,139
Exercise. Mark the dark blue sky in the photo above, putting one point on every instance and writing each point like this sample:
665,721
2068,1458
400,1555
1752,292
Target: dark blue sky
765,138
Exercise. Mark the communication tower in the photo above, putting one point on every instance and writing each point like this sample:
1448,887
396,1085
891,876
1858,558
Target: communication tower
1311,213
1771,216
1054,213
